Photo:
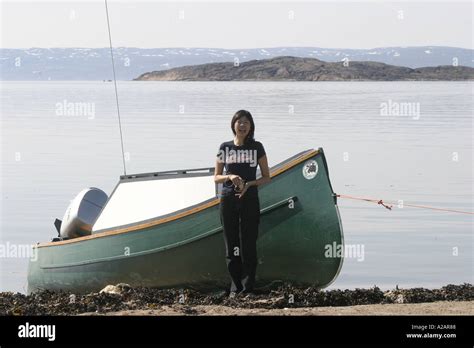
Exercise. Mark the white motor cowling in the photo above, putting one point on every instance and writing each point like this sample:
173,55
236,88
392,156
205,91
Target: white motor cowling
82,213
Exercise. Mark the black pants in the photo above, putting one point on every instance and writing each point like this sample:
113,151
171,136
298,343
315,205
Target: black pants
240,218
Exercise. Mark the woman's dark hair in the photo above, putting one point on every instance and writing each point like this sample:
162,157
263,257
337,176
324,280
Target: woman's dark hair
237,116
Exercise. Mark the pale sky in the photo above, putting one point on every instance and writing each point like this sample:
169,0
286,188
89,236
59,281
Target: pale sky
232,24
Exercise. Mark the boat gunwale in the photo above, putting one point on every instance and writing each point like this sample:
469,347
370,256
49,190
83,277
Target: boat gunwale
140,225
180,173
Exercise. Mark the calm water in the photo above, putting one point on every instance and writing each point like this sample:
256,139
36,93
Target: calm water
423,158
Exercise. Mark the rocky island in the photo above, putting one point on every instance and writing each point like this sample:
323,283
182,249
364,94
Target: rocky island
307,69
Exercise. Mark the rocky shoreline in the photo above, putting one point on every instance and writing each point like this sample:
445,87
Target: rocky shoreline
126,300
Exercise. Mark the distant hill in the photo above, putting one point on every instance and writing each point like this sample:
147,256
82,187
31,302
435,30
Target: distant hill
306,69
94,63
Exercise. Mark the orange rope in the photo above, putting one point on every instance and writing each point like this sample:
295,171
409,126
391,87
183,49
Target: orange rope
389,207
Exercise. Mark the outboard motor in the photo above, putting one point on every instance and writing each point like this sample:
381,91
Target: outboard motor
82,213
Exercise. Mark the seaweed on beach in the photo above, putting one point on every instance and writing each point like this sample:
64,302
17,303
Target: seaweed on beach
464,292
123,297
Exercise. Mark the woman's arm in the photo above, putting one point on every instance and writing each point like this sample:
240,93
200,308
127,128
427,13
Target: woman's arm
263,163
219,178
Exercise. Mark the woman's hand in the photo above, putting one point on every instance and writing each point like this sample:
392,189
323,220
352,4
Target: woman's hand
244,189
236,180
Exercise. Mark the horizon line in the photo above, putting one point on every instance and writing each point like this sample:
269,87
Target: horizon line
222,48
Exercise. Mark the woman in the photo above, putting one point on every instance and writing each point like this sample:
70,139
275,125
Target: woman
239,205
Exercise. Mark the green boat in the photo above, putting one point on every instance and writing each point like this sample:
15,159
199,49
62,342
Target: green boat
148,233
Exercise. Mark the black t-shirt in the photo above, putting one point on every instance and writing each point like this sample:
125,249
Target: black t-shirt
240,160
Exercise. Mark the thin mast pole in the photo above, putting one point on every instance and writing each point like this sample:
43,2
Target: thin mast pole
115,84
